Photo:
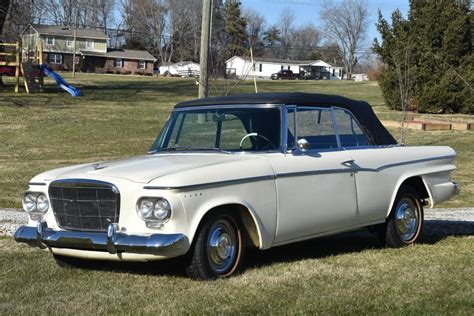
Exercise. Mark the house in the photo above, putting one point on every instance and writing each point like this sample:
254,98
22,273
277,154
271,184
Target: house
90,45
241,67
182,68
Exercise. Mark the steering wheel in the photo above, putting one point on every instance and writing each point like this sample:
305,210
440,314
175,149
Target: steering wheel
269,143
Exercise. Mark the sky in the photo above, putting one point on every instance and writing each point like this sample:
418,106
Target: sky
307,11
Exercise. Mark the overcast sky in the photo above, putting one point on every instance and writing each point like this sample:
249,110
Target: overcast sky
307,11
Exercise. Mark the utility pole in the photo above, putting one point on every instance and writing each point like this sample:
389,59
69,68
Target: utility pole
205,43
74,47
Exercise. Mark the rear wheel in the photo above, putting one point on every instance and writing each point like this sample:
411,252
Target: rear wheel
219,248
405,223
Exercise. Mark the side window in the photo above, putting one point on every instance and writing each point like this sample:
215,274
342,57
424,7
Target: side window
316,126
350,133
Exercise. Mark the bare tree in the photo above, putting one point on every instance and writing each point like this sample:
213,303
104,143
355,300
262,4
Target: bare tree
287,19
346,23
184,27
255,30
304,40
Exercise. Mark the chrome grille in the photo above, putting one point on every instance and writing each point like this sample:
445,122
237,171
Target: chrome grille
84,205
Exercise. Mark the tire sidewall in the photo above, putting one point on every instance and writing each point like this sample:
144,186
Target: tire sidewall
201,247
393,238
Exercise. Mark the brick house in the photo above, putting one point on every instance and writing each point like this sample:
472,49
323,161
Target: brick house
92,53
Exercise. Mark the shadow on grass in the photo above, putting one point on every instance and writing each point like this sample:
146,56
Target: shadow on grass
354,242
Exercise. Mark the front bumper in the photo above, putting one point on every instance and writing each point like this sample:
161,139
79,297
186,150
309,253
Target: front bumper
457,187
113,242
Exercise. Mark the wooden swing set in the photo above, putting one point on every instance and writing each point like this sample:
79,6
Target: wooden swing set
11,56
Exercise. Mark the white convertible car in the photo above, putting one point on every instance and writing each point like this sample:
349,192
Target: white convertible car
227,173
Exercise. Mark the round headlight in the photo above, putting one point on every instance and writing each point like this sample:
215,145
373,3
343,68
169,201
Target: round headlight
145,208
162,210
29,202
42,204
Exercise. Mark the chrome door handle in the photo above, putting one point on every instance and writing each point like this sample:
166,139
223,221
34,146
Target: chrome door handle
348,162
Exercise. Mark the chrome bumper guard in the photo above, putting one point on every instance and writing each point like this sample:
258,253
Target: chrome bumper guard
113,241
457,187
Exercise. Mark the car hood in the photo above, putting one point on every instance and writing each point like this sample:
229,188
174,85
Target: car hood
143,169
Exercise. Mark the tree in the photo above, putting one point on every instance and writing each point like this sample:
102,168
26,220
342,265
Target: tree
346,24
434,45
145,21
287,19
304,40
272,40
398,51
255,30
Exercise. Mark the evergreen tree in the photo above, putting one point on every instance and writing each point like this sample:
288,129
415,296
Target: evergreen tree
437,36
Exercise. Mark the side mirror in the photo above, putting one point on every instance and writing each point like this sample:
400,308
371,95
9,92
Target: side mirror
303,144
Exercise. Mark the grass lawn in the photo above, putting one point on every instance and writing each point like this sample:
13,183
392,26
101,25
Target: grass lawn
346,274
119,116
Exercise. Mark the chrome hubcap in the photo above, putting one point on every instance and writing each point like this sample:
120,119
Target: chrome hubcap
407,219
222,246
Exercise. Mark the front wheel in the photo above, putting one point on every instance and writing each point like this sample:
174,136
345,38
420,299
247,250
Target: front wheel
219,248
405,223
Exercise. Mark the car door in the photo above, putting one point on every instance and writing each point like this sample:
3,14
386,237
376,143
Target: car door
316,188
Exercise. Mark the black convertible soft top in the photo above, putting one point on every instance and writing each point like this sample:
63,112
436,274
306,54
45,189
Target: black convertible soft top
361,109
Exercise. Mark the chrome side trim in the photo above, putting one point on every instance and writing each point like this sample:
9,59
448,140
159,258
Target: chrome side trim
113,241
212,184
354,168
36,183
397,164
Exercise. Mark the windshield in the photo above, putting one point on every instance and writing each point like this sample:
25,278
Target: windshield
223,129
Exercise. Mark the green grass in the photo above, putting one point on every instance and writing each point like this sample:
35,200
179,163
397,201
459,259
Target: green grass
347,274
119,116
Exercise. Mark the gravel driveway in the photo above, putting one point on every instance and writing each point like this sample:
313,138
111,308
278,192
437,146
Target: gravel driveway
459,221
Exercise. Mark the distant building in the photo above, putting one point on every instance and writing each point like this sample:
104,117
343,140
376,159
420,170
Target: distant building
241,67
92,54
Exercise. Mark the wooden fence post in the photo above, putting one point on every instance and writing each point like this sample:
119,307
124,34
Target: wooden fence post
17,69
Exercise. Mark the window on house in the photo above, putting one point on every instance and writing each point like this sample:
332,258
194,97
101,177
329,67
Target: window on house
340,72
69,42
141,64
260,67
89,44
333,72
282,67
118,62
288,67
55,59
49,40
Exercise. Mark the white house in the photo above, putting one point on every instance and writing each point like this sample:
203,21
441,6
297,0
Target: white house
241,67
182,68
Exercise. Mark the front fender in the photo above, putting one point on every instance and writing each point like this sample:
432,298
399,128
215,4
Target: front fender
258,198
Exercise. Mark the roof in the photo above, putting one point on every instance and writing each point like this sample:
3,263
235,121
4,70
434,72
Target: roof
122,53
60,30
284,61
361,109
